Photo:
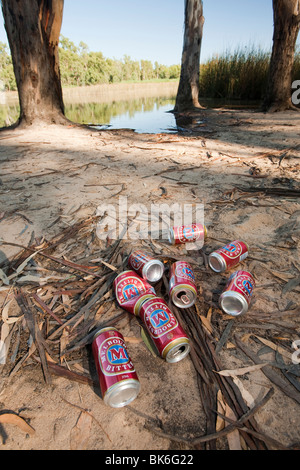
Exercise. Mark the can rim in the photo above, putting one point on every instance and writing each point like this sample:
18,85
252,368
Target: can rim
141,300
183,288
237,296
221,260
172,356
133,384
148,265
102,330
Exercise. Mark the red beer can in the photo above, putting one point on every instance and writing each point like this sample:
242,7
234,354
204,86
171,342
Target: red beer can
166,334
118,379
182,287
187,233
236,297
228,256
128,287
147,267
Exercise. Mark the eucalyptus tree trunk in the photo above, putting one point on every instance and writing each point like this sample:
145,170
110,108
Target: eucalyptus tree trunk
188,90
286,29
33,29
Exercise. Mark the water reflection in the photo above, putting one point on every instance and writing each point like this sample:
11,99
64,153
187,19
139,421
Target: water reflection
144,110
151,115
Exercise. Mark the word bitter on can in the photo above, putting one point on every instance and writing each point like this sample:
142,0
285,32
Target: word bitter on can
164,330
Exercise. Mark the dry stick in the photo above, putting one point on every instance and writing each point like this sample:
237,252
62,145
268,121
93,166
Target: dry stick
47,309
34,331
77,267
231,427
283,192
228,388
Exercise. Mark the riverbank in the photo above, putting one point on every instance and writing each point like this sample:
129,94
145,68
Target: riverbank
108,93
244,167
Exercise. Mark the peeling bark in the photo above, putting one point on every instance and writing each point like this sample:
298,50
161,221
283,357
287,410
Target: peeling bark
188,90
286,29
33,29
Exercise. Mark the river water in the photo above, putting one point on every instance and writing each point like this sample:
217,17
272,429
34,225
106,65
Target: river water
143,107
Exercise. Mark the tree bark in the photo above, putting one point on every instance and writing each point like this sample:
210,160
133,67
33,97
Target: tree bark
33,29
286,29
188,90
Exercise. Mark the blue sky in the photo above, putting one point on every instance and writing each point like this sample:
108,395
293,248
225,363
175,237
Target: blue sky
153,29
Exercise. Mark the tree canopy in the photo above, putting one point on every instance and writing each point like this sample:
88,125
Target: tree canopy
81,67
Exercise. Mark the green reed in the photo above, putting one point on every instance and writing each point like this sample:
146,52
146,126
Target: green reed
239,75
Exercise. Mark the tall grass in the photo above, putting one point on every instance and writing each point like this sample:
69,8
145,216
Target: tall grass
239,75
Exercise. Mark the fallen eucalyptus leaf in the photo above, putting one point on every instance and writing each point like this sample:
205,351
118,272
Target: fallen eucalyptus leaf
10,418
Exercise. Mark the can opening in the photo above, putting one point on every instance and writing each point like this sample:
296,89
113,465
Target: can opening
178,353
184,298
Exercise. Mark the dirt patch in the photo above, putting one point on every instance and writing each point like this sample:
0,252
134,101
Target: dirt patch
244,167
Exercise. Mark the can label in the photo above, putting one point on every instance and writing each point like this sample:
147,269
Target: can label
113,357
161,324
137,261
181,273
159,319
233,253
243,283
112,360
129,287
188,233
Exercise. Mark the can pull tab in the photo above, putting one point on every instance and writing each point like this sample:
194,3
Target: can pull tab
184,299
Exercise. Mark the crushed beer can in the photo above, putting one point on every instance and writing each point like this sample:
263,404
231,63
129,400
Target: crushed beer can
236,297
187,234
129,287
147,267
182,287
167,335
228,256
118,379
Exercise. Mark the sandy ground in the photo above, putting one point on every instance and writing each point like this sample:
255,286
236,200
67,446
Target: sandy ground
53,176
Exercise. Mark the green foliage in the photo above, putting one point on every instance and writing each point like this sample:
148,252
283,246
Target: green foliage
241,74
79,66
7,76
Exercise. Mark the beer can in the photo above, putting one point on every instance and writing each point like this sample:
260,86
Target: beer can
236,297
147,267
187,234
165,332
228,256
182,287
118,379
128,287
